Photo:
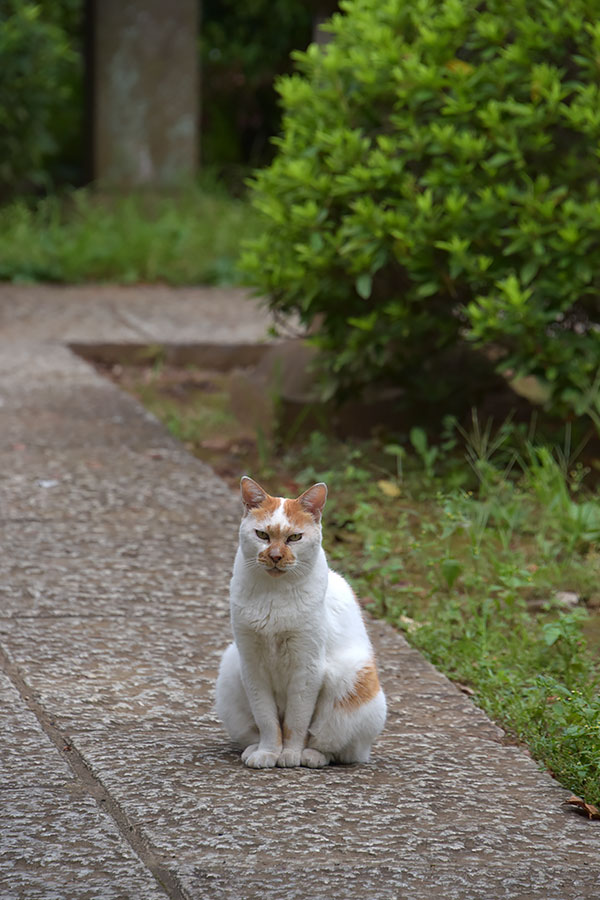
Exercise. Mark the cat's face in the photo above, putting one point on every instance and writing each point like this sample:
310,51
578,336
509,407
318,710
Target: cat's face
281,537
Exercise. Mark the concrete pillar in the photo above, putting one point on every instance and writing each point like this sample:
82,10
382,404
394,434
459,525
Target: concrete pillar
144,91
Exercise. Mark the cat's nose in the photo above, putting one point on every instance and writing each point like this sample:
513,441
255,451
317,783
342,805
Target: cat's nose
275,557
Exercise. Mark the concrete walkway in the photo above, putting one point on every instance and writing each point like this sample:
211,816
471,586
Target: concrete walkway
116,780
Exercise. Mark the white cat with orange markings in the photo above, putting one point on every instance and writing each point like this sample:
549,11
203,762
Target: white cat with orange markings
299,686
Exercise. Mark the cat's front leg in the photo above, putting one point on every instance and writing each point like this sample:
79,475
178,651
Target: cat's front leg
298,714
265,754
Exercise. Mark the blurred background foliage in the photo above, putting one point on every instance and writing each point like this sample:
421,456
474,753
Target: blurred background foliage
41,95
242,48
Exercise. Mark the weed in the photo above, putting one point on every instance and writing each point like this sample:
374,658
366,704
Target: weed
189,236
428,454
463,573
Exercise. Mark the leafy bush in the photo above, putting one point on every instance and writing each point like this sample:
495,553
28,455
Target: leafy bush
437,178
38,71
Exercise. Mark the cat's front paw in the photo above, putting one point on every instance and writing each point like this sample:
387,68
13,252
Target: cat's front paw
314,759
259,759
249,751
289,758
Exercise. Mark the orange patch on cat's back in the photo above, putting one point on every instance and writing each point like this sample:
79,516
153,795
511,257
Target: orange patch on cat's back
298,517
365,688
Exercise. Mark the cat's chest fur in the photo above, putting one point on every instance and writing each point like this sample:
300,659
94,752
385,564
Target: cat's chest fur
280,629
286,657
276,612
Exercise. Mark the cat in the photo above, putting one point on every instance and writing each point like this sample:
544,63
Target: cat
299,685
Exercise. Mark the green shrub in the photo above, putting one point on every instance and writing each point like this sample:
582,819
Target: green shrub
437,178
38,72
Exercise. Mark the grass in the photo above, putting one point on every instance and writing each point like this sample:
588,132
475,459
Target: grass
189,236
464,545
469,563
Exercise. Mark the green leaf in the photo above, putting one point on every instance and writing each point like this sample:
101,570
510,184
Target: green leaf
364,323
551,633
451,569
364,284
529,271
316,241
418,439
427,289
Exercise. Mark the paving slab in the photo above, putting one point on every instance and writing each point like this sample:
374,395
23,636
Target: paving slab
210,327
96,313
116,548
54,840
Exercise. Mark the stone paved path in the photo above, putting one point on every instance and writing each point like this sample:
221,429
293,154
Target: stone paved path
116,780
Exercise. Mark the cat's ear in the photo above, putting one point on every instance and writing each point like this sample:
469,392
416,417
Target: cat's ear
252,493
313,500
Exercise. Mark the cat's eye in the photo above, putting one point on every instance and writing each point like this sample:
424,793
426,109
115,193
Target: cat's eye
262,535
293,537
